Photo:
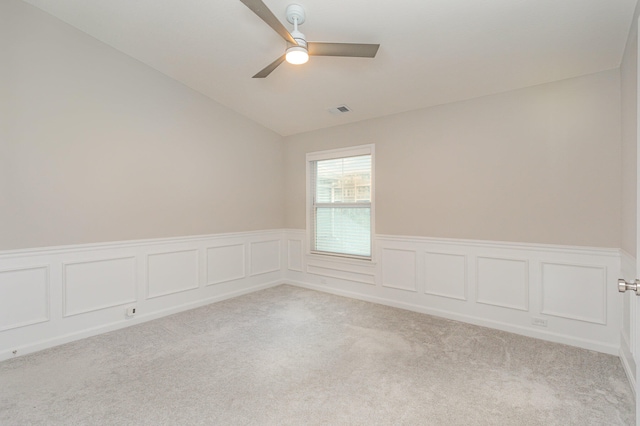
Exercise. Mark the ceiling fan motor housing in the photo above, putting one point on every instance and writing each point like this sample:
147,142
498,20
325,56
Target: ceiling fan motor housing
300,38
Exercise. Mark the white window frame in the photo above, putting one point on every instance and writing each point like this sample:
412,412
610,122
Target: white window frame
331,154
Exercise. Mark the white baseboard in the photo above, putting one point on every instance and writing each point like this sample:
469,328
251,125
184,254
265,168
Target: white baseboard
548,336
563,294
60,340
51,296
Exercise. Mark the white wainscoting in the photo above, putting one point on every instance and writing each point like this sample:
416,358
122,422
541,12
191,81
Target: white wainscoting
55,295
570,292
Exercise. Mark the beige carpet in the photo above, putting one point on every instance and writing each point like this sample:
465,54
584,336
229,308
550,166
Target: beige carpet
292,356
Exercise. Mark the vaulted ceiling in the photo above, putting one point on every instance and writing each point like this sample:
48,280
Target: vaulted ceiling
432,51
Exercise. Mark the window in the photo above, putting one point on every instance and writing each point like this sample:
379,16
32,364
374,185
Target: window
340,206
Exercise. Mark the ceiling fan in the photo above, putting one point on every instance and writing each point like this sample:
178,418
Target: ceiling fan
298,49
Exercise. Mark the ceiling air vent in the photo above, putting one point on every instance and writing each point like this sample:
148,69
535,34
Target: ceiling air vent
341,109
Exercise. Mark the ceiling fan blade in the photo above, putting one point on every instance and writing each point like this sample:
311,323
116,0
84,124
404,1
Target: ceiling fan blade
269,68
355,50
263,12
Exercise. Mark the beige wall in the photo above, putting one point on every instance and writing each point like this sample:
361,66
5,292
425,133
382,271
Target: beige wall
538,165
629,94
95,146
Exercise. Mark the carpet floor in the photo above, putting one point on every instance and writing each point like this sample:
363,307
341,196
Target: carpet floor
291,356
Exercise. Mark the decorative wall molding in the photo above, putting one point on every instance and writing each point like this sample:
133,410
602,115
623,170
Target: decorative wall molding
357,271
511,246
399,268
171,272
446,275
29,286
226,263
79,291
502,282
265,257
295,255
92,285
577,292
7,254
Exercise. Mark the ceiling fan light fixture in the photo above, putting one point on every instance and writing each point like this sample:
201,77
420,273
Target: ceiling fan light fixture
297,55
297,52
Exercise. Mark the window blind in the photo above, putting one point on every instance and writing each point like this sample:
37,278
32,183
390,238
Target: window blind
341,206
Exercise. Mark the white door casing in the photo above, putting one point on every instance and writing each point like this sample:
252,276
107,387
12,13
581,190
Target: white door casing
634,330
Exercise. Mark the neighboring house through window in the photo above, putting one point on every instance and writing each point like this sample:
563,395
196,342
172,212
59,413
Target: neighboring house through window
340,201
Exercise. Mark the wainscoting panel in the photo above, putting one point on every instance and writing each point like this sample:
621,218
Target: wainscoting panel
225,263
98,284
294,255
446,275
574,292
24,297
502,282
265,257
399,269
171,272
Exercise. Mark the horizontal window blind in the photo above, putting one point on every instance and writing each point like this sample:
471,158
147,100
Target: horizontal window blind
341,206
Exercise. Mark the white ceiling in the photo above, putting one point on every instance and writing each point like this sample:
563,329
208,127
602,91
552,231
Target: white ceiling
432,51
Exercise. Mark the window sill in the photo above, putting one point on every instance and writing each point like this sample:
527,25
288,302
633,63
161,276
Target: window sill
367,263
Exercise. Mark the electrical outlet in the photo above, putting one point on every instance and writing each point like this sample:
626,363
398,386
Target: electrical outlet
131,311
540,322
